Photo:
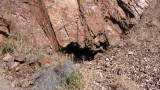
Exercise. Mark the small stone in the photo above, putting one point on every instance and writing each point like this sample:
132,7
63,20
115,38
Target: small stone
96,83
31,61
17,69
2,37
7,58
111,57
20,58
43,62
99,67
130,53
13,65
24,83
107,59
101,75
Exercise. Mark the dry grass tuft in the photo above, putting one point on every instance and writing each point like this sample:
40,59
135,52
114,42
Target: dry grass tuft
15,44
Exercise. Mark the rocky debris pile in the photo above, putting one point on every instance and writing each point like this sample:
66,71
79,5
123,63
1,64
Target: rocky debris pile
86,23
134,64
23,70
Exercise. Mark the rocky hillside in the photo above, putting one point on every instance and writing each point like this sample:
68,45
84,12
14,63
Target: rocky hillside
79,44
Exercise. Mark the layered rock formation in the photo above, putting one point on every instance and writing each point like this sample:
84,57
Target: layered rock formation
87,23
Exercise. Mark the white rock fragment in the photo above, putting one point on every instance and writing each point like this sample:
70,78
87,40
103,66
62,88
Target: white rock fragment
100,74
107,59
130,53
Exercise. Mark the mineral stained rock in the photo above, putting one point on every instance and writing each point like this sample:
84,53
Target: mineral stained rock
86,23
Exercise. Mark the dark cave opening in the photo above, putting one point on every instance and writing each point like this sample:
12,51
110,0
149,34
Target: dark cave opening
80,54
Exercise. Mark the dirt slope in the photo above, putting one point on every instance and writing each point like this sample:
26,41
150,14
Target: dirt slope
135,63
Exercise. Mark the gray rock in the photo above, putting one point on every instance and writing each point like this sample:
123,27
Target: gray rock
54,77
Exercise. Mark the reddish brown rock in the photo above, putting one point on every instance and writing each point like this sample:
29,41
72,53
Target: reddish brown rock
4,18
64,16
43,62
90,22
2,37
20,58
23,20
8,58
94,24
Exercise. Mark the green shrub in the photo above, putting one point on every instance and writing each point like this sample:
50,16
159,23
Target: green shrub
15,44
5,50
74,80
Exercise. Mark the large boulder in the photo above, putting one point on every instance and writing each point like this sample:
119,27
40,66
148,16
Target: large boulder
23,20
94,24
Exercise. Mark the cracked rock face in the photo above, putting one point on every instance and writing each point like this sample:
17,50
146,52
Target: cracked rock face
87,23
23,19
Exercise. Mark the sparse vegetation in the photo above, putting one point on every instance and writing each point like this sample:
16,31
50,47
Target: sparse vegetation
62,56
5,49
74,80
37,57
152,22
16,44
31,86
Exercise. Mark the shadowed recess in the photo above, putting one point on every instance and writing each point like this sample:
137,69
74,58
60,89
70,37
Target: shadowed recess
81,53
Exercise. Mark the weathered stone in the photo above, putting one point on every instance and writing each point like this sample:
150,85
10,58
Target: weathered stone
23,12
4,30
94,24
24,83
63,15
90,22
2,37
5,13
8,58
43,62
4,18
12,65
20,58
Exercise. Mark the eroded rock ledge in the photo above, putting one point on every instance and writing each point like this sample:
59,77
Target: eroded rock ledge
94,24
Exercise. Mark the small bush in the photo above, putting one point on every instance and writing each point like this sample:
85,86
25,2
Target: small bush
15,43
62,57
31,86
5,50
74,80
37,57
